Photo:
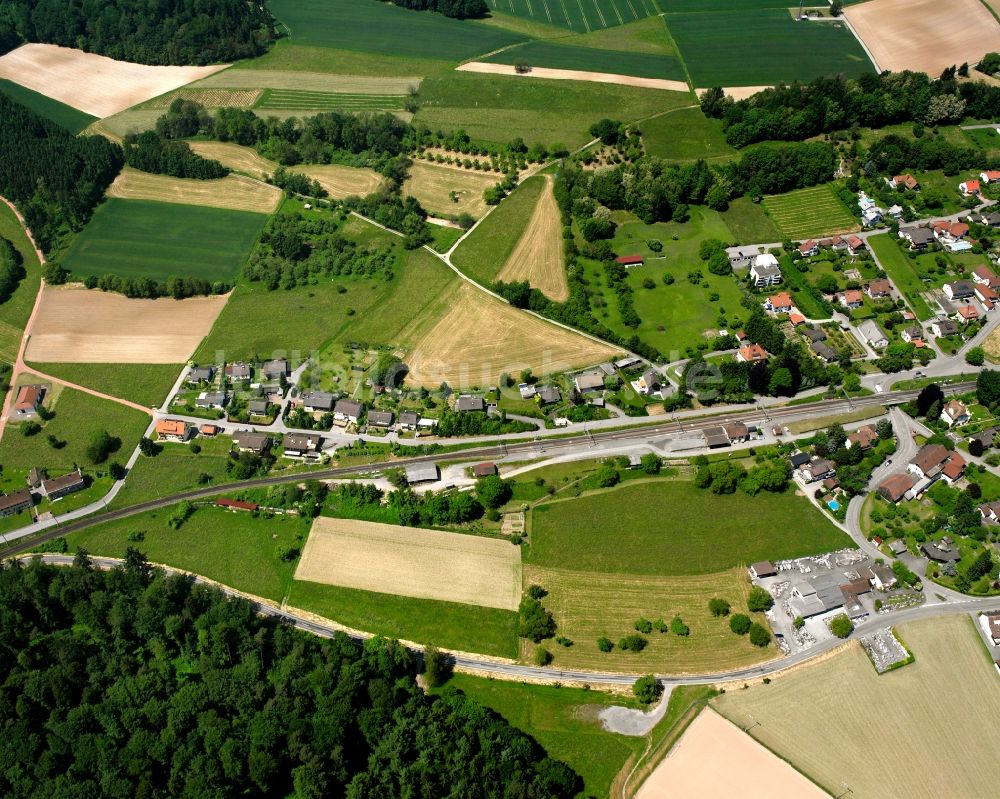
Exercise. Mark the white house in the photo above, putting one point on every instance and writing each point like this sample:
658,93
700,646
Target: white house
873,334
765,270
954,413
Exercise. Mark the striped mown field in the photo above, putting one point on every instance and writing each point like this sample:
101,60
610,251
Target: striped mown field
810,212
578,15
295,99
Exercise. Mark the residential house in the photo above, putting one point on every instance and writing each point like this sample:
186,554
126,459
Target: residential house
317,401
236,505
796,318
209,430
484,470
408,420
200,374
526,390
628,362
380,419
715,437
275,370
879,289
872,216
990,176
896,211
943,327
950,235
799,459
989,218
301,445
250,441
807,249
940,551
920,238
987,296
954,412
852,298
258,407
348,411
825,351
736,432
630,260
59,487
814,334
912,334
897,547
895,488
929,461
953,469
28,400
589,381
172,430
608,368
873,334
762,569
883,578
904,181
34,478
752,353
970,188
469,402
422,473
817,469
739,257
984,276
238,371
649,382
765,270
16,502
864,201
966,314
779,303
549,395
864,437
990,622
211,400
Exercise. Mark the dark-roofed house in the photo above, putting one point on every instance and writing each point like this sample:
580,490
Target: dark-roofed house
817,469
61,486
238,371
34,478
317,401
959,290
258,407
940,551
825,351
382,419
200,374
15,502
408,420
250,441
944,327
648,382
467,403
484,469
929,461
762,569
274,370
883,578
814,334
301,445
715,437
985,437
422,473
589,381
918,237
736,432
799,459
348,411
549,395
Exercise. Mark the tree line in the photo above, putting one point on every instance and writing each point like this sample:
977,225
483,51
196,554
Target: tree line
11,269
232,703
165,32
457,9
151,152
56,179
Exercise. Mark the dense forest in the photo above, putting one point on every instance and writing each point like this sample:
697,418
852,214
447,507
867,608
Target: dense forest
161,32
11,269
130,683
459,9
802,110
55,178
151,152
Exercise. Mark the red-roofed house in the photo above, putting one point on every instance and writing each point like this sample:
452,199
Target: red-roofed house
985,276
967,313
969,187
879,288
954,413
779,303
987,296
855,244
906,181
852,298
808,248
990,176
953,469
630,260
236,504
796,318
751,354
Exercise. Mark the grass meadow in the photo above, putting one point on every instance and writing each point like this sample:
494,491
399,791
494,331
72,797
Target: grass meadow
816,211
875,728
567,56
145,383
146,239
761,46
671,528
63,115
685,135
15,311
903,273
749,222
581,17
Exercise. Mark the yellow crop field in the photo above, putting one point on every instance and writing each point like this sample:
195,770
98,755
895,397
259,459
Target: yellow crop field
433,185
233,191
538,256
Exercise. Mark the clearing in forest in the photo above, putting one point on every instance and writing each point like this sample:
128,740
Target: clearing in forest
410,561
480,337
75,325
447,190
233,191
92,83
538,256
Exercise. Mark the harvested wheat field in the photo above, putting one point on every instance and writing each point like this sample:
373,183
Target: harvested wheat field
992,346
235,156
715,759
75,325
838,721
574,74
93,83
937,35
480,337
233,191
538,256
341,181
433,184
409,561
210,98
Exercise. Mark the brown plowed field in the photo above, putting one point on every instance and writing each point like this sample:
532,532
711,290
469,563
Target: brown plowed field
538,256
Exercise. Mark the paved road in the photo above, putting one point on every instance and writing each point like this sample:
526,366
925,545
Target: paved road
517,671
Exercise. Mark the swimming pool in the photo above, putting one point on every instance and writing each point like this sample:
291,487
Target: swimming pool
833,505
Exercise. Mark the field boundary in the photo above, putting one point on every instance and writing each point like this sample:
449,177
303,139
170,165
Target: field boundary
549,73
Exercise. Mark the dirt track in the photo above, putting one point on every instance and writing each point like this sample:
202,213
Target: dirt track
480,337
92,83
924,35
538,256
233,191
407,561
575,74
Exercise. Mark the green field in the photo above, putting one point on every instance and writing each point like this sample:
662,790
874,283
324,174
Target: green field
63,115
810,212
669,527
749,223
567,56
77,417
483,254
297,100
15,311
579,15
496,108
375,27
144,239
685,135
901,271
762,46
288,56
467,628
144,383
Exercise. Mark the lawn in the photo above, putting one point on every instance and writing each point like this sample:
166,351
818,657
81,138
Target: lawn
750,222
446,624
564,721
486,250
236,549
288,56
762,46
902,272
497,108
146,383
77,416
15,311
685,135
590,59
373,27
145,239
890,746
987,139
63,115
670,527
580,17
816,211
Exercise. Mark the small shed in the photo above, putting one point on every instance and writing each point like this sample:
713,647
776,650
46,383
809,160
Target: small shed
484,469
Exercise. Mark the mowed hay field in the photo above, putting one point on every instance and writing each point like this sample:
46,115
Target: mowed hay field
409,561
923,731
237,192
91,83
581,17
76,325
992,346
235,157
538,256
141,238
480,337
588,606
938,35
810,212
432,185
